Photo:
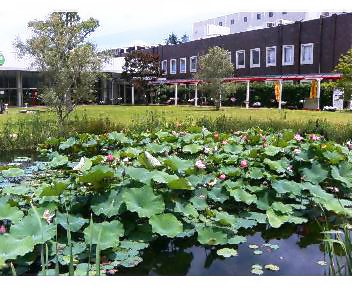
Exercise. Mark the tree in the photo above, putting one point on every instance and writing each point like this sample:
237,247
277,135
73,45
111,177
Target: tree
140,68
59,47
344,67
185,38
172,39
212,68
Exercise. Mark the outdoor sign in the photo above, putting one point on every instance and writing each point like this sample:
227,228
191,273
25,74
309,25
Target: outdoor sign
2,59
337,99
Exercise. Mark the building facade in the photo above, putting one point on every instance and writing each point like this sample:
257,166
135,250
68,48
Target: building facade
309,47
245,21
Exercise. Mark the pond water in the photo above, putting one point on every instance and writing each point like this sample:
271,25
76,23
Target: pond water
298,254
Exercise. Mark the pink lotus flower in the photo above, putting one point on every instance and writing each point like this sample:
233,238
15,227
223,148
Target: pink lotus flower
2,229
243,164
222,176
244,138
263,139
314,137
224,142
47,216
109,158
206,150
199,164
298,137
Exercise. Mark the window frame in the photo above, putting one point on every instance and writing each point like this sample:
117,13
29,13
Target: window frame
190,64
232,22
245,19
271,14
301,56
259,16
283,55
244,59
162,64
251,64
266,56
185,61
173,72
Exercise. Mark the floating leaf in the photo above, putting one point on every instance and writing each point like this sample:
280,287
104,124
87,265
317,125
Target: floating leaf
272,267
13,172
58,161
108,205
287,187
166,225
240,195
148,160
257,269
257,252
316,174
211,236
97,175
143,201
180,184
235,240
192,148
227,252
105,234
253,246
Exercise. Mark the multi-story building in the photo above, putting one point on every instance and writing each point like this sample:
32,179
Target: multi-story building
246,21
308,47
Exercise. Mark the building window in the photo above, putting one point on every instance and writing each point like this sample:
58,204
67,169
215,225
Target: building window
220,23
164,67
271,56
287,55
271,14
259,16
284,13
255,58
232,21
193,64
307,53
245,19
173,66
240,59
183,65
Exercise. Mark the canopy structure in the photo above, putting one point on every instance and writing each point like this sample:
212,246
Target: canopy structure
277,79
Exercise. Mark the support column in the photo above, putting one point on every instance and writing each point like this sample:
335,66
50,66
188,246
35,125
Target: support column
105,90
19,89
124,93
175,94
132,94
280,93
247,95
318,92
112,92
196,96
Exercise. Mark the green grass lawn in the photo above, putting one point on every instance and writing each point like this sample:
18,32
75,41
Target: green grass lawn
124,114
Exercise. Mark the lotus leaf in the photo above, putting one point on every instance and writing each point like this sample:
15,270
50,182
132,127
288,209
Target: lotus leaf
118,137
316,174
233,148
281,207
180,184
139,174
75,222
11,247
157,148
272,267
218,195
20,190
109,205
148,160
211,236
13,172
272,150
54,189
166,225
58,161
227,252
105,234
192,148
38,229
276,166
255,173
334,157
84,165
186,209
240,195
257,252
343,173
287,187
143,201
276,220
10,213
162,177
178,164
67,144
97,175
235,240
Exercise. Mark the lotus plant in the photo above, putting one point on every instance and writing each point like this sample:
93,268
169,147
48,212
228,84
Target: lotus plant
199,164
243,164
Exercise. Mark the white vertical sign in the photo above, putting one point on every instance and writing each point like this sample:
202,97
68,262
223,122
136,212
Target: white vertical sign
337,99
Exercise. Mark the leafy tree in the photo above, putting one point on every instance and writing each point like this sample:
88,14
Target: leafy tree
185,38
172,39
141,68
60,48
212,68
344,67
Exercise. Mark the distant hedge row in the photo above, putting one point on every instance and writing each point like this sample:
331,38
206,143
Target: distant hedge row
259,92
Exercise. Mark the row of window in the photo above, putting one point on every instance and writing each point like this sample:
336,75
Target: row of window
183,65
271,55
288,52
259,17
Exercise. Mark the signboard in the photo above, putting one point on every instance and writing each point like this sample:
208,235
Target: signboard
2,59
337,99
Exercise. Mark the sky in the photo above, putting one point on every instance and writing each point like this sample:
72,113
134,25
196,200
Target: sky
139,21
